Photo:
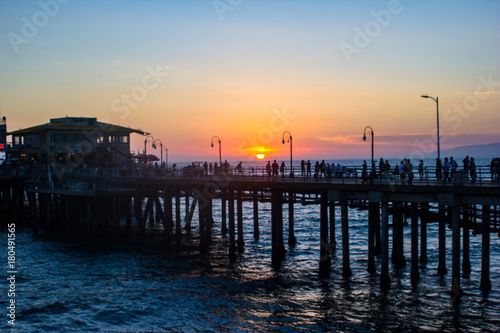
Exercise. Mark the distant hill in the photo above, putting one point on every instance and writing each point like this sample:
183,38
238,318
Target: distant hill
478,151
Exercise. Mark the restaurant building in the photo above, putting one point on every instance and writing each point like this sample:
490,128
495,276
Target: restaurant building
71,140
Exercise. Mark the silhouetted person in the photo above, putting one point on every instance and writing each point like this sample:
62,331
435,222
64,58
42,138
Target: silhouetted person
439,168
472,169
466,163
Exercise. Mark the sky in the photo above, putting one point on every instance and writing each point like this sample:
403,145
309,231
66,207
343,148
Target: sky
251,72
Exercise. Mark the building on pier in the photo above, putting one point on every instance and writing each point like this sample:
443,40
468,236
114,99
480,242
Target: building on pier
75,140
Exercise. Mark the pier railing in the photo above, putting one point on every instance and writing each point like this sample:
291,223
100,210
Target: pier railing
105,178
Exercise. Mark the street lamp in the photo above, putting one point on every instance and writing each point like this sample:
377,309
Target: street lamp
161,150
166,158
364,139
437,111
283,142
220,156
145,150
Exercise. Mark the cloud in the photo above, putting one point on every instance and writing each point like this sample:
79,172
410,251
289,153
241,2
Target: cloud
485,92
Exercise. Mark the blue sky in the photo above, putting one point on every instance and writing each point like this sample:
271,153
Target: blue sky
227,71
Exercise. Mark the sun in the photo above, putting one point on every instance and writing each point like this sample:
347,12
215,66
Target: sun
261,156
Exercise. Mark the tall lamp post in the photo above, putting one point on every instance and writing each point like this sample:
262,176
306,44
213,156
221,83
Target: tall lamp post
161,149
283,142
437,113
364,139
145,150
166,158
220,156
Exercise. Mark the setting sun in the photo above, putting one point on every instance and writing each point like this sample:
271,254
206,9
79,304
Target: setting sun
261,156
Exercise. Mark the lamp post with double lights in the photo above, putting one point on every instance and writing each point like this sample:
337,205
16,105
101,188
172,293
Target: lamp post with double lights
220,156
161,149
364,139
437,115
145,148
289,139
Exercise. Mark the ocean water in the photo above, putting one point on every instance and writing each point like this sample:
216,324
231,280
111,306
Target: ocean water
125,283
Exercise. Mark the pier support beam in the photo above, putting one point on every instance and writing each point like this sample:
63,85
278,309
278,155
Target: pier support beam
485,249
256,233
346,266
278,250
223,213
324,251
442,240
414,241
291,228
424,213
398,257
178,227
456,290
333,242
372,208
384,247
241,242
232,236
466,241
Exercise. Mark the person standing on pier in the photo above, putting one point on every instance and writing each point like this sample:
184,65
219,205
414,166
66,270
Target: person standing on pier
453,167
268,170
409,171
308,164
466,163
302,168
282,169
439,168
421,169
446,171
275,169
472,169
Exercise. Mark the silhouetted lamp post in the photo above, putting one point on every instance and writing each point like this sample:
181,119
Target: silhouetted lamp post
166,158
289,140
364,139
161,150
145,150
220,156
437,111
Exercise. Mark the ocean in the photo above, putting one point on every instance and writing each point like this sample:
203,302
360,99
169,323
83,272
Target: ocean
127,283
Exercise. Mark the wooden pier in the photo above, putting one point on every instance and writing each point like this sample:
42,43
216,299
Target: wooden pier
88,208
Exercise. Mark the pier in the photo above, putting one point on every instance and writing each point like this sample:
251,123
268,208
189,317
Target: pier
86,203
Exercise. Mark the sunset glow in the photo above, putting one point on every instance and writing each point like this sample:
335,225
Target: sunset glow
261,156
184,72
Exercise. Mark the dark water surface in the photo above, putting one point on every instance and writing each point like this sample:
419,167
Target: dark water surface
148,285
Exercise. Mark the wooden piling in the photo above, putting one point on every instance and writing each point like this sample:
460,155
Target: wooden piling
466,268
178,227
324,250
223,213
384,244
456,290
424,212
278,250
256,233
291,228
232,237
442,240
372,207
414,241
485,284
346,266
239,200
333,242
